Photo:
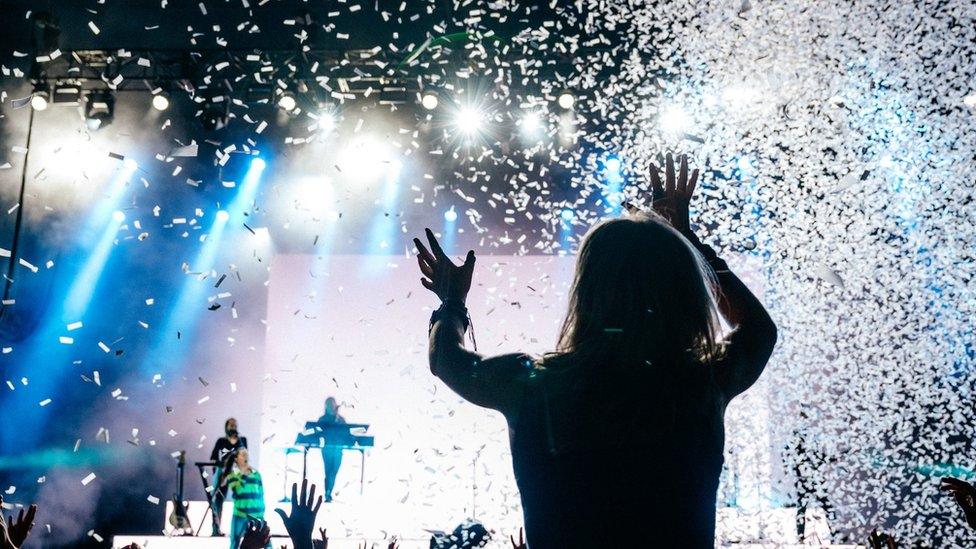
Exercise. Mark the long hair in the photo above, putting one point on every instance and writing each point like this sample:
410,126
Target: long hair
641,294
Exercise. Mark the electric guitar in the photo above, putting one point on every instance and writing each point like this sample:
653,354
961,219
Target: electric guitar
179,519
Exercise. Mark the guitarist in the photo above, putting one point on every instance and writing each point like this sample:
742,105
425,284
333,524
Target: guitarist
224,452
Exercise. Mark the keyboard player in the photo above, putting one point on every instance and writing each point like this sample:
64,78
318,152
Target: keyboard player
331,455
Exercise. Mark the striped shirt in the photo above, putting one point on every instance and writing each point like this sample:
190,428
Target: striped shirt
248,494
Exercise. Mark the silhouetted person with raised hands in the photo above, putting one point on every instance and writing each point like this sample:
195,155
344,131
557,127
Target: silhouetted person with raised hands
617,437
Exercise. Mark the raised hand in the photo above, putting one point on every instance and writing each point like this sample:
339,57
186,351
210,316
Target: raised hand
881,541
441,275
965,495
670,200
257,534
393,544
302,520
18,530
521,541
321,543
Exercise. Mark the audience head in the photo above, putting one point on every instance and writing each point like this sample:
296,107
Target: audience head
230,427
241,458
640,293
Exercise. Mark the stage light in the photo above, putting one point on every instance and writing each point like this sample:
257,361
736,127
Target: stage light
450,215
99,109
326,121
674,120
530,124
612,166
40,97
258,164
567,214
429,101
160,102
566,100
469,120
365,158
222,216
287,102
118,216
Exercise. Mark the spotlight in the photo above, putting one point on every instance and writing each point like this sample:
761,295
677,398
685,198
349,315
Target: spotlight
450,215
566,100
39,99
287,102
612,165
429,101
531,124
222,216
118,216
326,121
160,102
99,109
469,120
258,164
674,120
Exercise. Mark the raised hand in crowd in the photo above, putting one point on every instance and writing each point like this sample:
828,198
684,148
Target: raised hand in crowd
13,533
449,281
881,541
393,544
965,495
321,543
257,535
302,520
520,544
671,199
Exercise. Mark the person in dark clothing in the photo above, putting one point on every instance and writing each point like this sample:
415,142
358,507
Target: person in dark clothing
331,455
224,452
617,438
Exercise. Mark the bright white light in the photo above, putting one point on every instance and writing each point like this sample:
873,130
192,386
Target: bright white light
531,124
429,101
887,161
38,102
450,215
130,165
93,123
160,102
469,120
970,100
287,102
222,216
258,164
566,100
674,120
326,121
118,216
567,214
262,235
365,158
612,165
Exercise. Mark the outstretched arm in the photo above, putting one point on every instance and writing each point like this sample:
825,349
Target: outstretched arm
489,382
753,340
